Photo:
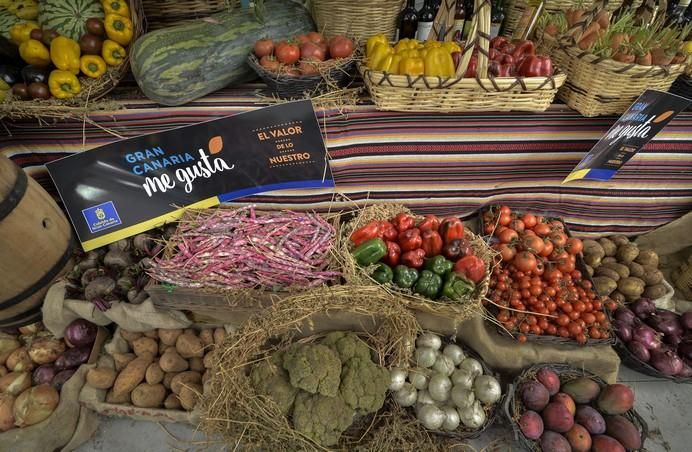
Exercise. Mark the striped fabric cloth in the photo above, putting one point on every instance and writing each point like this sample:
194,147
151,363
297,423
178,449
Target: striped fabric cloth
434,163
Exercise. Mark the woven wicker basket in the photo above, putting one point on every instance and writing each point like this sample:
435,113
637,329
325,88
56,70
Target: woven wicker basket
164,13
458,94
360,19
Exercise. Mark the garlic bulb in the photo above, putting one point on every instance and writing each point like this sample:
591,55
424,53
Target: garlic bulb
398,378
431,417
444,365
430,340
462,378
487,389
425,356
455,353
424,398
451,422
462,397
473,416
471,366
439,387
406,396
419,377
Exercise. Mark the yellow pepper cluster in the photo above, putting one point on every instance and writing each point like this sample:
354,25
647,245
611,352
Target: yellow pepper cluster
411,57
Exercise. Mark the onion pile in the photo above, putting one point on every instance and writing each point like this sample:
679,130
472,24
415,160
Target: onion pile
661,338
447,388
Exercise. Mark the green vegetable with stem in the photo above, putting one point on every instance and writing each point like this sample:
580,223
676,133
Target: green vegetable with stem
405,277
383,274
370,252
429,284
456,287
438,265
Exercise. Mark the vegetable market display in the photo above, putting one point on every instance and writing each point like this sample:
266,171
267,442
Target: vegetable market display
537,288
63,44
556,408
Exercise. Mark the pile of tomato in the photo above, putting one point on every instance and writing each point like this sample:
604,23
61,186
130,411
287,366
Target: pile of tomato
536,287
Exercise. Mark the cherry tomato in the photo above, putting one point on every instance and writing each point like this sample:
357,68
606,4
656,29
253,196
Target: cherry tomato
535,290
504,219
586,284
517,225
508,235
531,320
507,252
525,261
594,333
553,274
567,308
581,338
552,306
574,315
552,330
505,209
563,331
574,328
529,220
600,317
574,245
524,327
550,291
548,248
565,265
533,243
535,329
579,306
588,318
543,323
611,305
521,338
541,229
563,320
503,316
557,225
558,238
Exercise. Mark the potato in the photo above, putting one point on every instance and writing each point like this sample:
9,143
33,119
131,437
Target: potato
120,399
190,395
153,334
208,360
172,362
593,248
163,347
168,336
185,378
131,376
122,360
622,270
648,258
196,364
656,291
189,346
608,246
145,345
154,374
219,336
148,396
604,285
618,297
101,377
46,350
206,335
636,270
167,378
589,270
631,287
619,239
130,336
652,276
593,260
19,360
609,260
608,272
172,402
627,253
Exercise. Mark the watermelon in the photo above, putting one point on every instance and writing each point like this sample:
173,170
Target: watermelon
68,17
7,20
181,63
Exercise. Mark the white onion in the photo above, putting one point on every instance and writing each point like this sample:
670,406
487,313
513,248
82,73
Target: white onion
425,356
439,387
451,422
431,340
487,389
431,416
462,378
444,365
419,377
406,396
472,417
462,397
471,366
454,352
397,379
424,398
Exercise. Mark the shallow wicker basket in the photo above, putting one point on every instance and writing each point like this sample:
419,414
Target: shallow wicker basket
513,406
458,94
360,19
164,13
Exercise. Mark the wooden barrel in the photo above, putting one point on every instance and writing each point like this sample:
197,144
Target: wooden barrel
35,245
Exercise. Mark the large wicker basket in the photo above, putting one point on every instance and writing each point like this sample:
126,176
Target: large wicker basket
458,94
164,13
360,19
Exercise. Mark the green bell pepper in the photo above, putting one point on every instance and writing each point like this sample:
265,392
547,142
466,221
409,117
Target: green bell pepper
370,252
428,285
438,265
404,276
456,287
383,274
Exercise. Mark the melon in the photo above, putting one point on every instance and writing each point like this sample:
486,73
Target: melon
68,17
7,21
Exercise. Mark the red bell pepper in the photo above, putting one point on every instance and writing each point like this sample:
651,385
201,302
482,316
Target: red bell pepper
506,48
403,221
494,54
429,223
501,70
369,231
523,47
472,267
432,243
497,41
535,66
393,254
472,68
451,228
389,232
414,258
506,59
410,239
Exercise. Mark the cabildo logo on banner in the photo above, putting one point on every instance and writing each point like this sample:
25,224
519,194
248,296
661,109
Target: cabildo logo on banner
133,185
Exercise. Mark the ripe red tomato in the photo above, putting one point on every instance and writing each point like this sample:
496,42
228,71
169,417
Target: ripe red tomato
533,243
557,225
508,235
307,68
541,229
529,220
574,245
548,248
311,51
525,261
270,63
505,219
472,267
558,238
505,209
507,252
315,37
565,265
302,38
287,53
340,47
264,47
517,225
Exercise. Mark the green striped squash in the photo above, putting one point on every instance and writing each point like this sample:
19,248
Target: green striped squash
178,64
68,17
7,20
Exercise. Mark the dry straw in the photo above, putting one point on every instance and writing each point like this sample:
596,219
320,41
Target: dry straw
232,409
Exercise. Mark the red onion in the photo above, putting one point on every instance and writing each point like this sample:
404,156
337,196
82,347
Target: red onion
685,350
80,332
672,339
667,315
686,320
665,326
639,351
623,330
647,336
643,308
625,315
666,362
686,371
62,377
43,374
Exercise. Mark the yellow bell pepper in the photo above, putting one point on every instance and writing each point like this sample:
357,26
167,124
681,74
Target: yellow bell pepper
373,41
63,84
410,54
24,9
20,32
432,44
65,52
406,44
438,62
451,46
394,65
113,53
34,53
118,29
116,7
92,66
379,53
412,66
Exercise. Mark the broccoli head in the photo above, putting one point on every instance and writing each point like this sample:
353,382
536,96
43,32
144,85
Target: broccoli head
322,419
347,345
270,379
313,368
364,384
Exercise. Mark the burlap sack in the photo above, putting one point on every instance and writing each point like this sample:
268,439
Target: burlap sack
506,355
58,312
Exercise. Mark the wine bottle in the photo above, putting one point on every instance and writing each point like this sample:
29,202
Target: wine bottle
468,6
408,21
426,17
459,20
497,16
